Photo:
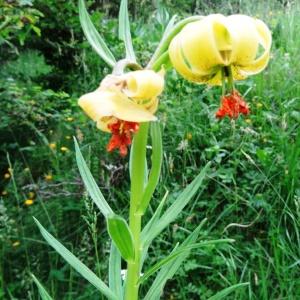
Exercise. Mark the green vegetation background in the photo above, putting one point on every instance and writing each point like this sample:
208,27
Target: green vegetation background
252,193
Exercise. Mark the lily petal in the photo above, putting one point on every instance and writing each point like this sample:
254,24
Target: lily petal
265,40
101,104
245,39
144,84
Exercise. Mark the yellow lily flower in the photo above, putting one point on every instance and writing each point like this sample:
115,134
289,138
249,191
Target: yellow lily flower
131,97
121,102
203,49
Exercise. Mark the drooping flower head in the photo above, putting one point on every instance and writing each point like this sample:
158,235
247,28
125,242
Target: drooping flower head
122,102
218,49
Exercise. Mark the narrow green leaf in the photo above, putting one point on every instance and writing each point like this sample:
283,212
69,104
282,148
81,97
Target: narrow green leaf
175,209
151,222
181,251
156,159
93,35
42,291
169,269
227,291
124,30
115,280
120,233
81,268
90,183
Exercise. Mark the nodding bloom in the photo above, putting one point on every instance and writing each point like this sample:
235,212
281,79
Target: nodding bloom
219,49
122,102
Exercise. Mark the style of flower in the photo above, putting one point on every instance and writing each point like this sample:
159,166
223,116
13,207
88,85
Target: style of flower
220,50
122,102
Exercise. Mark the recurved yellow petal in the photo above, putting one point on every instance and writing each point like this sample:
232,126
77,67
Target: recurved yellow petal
265,41
245,39
97,104
182,65
204,42
102,105
144,84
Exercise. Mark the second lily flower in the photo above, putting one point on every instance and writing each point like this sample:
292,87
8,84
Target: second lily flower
219,50
122,102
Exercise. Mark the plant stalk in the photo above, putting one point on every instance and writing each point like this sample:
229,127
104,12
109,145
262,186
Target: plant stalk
138,165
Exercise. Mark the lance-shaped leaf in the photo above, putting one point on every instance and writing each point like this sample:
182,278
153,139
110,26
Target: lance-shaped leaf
121,235
156,160
114,273
93,35
90,183
42,291
124,30
173,211
222,294
181,251
168,270
80,267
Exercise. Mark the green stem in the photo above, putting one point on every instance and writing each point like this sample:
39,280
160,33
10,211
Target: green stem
138,165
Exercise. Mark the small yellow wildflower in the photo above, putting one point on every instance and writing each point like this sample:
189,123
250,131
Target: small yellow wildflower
48,177
6,175
4,193
31,195
52,146
70,119
259,105
16,244
28,202
64,149
248,121
189,136
67,137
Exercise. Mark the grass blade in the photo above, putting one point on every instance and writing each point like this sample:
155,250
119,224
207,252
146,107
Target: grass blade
225,292
115,282
42,291
181,251
90,183
93,35
124,30
168,270
81,268
173,211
